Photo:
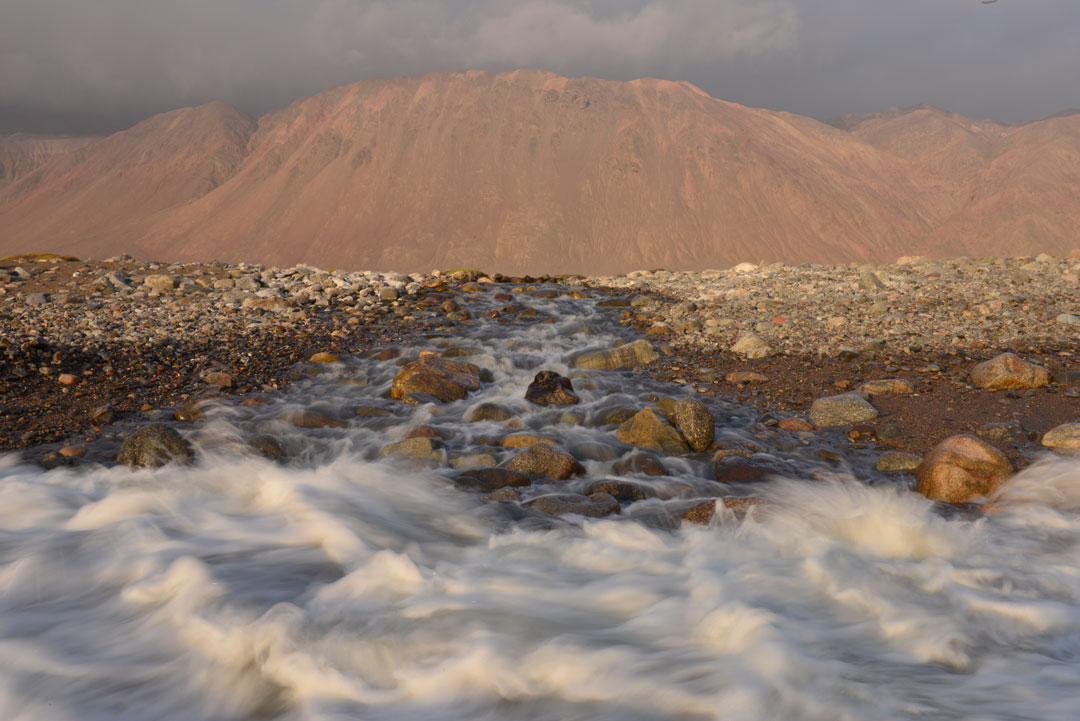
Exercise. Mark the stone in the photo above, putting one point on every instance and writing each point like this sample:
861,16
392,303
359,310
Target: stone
218,378
621,491
794,424
161,282
443,379
324,357
37,299
1069,319
421,449
597,505
1009,371
843,410
897,461
752,346
704,512
733,468
1065,437
887,386
551,389
695,422
473,460
268,447
615,416
961,468
639,462
66,379
868,281
311,419
503,495
72,451
524,440
490,479
648,430
103,415
388,293
154,446
189,411
749,378
631,355
488,412
542,459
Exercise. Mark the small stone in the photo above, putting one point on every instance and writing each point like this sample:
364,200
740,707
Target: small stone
631,355
870,282
550,388
638,462
36,299
473,460
189,411
961,468
887,386
66,379
736,469
488,412
752,346
896,461
161,283
704,512
749,378
311,419
218,378
103,415
1069,319
268,447
72,451
524,440
503,495
324,357
621,491
423,449
648,430
1065,437
388,293
794,424
842,410
153,446
1008,371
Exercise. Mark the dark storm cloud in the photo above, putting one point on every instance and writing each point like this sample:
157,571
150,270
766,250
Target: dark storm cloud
93,65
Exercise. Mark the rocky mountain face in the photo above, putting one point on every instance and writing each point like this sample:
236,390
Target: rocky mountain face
531,172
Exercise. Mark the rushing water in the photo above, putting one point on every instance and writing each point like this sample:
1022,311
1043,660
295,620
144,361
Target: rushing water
337,585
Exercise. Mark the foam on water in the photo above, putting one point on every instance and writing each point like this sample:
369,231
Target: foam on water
341,587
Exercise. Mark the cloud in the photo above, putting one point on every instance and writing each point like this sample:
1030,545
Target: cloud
118,60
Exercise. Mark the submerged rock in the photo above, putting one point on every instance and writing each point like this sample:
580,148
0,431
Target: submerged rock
695,422
154,446
490,479
648,430
549,388
631,355
638,462
594,506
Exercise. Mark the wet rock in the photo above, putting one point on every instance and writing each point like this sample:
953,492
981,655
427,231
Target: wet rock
621,491
311,419
189,411
490,479
542,459
961,468
887,386
631,355
488,412
843,410
503,495
268,447
154,446
440,378
794,424
426,432
733,468
324,357
218,378
638,462
752,346
549,388
1008,371
103,415
595,506
473,460
704,512
749,378
695,422
615,416
421,449
1065,437
524,440
648,430
72,451
896,461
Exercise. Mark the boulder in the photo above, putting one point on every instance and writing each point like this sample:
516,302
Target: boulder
631,355
1009,371
1065,437
440,378
648,430
154,446
542,459
843,410
551,389
695,422
594,506
961,468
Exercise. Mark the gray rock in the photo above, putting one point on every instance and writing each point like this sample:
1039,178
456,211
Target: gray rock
842,410
154,446
1065,437
1069,319
870,282
36,299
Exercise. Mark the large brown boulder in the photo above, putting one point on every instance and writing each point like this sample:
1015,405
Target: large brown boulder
444,379
1009,371
961,468
648,430
551,389
541,459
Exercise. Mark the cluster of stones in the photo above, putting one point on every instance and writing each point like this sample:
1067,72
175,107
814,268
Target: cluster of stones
761,310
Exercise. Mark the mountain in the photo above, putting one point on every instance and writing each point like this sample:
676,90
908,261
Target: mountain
533,172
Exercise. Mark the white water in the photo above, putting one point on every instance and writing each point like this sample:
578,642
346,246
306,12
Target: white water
340,587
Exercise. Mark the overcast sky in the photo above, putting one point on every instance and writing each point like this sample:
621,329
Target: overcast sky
100,65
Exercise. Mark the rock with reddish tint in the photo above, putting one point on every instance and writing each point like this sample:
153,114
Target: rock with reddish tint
1009,371
440,378
597,505
218,378
542,459
1065,437
639,462
961,468
524,440
426,432
154,446
490,479
621,491
648,430
794,424
488,412
66,379
737,469
695,423
551,389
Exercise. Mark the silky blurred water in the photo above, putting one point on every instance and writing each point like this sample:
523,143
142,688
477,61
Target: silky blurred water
337,585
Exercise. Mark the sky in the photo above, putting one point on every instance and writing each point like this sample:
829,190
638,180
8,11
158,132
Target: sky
94,66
